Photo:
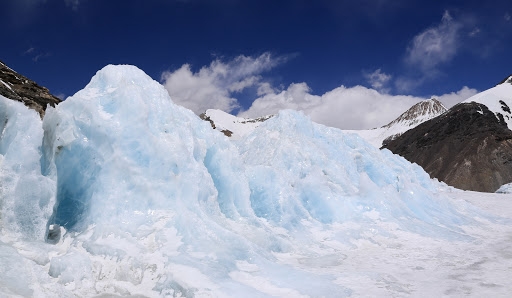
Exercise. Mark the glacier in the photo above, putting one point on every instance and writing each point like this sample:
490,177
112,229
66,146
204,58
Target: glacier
151,202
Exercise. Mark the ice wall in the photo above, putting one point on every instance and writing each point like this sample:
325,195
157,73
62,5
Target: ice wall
157,203
26,196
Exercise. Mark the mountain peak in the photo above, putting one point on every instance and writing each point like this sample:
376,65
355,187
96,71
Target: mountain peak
18,87
419,112
414,116
467,147
506,80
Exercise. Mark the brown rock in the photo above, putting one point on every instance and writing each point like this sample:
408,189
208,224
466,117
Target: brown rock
20,88
468,147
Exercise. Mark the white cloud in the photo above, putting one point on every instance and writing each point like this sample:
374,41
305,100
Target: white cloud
216,86
213,86
435,45
346,108
453,98
378,80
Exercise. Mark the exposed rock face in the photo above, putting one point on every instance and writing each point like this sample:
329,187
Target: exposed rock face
468,147
20,88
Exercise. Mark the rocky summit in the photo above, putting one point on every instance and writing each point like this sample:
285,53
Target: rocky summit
468,147
417,114
18,87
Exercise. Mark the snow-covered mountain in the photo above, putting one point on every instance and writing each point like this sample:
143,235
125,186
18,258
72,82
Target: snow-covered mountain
141,198
232,126
18,87
415,115
498,100
237,127
469,146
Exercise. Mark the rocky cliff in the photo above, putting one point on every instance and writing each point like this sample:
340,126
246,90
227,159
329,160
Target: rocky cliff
468,147
20,88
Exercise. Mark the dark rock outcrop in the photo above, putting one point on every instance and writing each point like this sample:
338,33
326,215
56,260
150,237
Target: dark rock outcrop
468,147
20,88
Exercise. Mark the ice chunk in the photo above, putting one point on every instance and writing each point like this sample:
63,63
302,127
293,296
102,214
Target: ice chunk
15,279
55,232
506,188
121,148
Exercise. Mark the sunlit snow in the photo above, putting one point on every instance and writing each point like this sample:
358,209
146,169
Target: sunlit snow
154,203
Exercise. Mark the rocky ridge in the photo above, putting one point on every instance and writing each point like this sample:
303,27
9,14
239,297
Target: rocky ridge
417,114
469,146
20,88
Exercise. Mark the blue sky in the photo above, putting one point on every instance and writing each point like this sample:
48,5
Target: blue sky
284,54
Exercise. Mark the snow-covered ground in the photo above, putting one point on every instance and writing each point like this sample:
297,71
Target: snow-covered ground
237,126
156,204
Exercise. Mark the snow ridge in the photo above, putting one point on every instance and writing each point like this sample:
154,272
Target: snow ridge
498,100
232,126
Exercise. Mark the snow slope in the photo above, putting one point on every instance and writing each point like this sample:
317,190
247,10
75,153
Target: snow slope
233,126
498,99
156,203
414,116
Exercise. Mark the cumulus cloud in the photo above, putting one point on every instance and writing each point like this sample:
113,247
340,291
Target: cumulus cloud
378,80
217,85
214,86
453,98
435,45
346,108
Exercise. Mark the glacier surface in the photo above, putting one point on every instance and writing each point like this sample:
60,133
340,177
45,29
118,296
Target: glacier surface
152,202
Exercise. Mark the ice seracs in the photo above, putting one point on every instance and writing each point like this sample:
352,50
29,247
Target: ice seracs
157,204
